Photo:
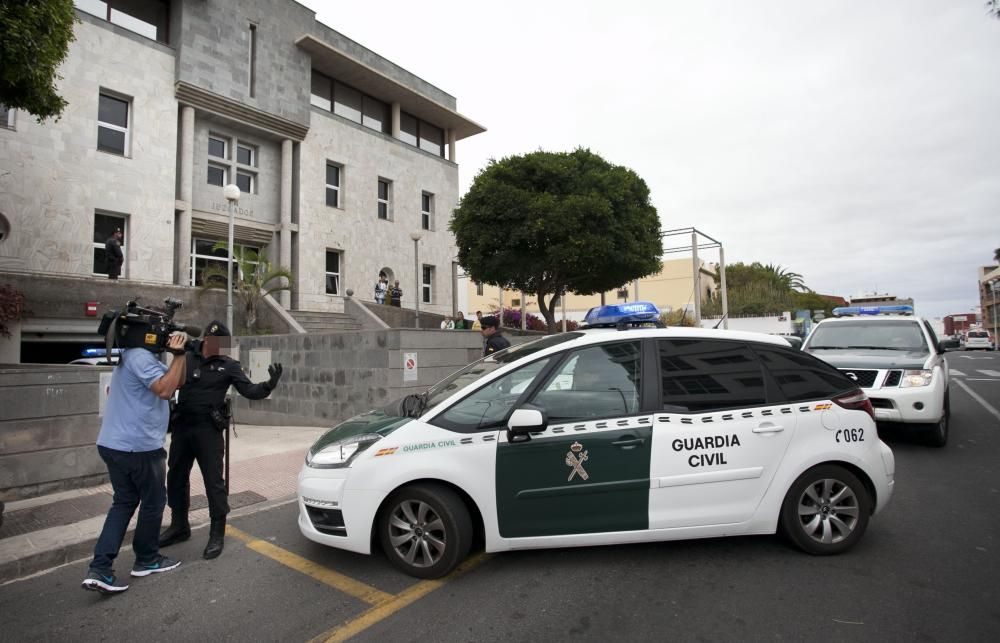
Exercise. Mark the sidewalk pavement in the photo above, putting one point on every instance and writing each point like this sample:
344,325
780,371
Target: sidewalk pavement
44,532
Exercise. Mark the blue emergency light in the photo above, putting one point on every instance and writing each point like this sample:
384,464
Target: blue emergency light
636,312
848,311
100,352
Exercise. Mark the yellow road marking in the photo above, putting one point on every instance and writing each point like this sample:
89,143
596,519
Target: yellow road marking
373,615
338,581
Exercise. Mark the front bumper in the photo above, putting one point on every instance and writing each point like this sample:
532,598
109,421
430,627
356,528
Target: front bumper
331,515
917,405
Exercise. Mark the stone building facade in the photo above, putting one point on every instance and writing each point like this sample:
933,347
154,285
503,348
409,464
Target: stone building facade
342,157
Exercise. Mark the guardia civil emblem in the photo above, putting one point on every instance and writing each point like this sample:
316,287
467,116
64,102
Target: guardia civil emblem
575,458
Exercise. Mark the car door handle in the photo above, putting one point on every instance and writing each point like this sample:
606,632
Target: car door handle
628,443
769,427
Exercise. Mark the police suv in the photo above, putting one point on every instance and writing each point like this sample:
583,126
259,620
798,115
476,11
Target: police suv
895,358
618,433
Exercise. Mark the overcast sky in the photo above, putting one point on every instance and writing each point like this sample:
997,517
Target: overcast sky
854,142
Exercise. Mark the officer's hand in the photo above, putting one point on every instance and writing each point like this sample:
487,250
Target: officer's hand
274,370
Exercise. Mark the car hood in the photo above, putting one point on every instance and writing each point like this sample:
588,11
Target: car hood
377,421
871,358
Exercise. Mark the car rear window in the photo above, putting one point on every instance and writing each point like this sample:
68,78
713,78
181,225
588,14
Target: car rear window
979,334
802,377
707,375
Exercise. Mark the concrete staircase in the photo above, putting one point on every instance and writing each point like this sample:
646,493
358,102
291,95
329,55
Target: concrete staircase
323,322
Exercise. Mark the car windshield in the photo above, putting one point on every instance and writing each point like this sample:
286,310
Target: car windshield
417,404
867,334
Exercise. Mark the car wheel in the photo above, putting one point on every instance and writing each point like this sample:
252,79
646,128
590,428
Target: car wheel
826,511
425,530
938,434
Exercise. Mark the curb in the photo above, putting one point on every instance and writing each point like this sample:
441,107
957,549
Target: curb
45,561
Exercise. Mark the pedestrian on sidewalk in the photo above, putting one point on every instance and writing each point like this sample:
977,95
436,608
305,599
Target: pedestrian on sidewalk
131,444
460,323
197,429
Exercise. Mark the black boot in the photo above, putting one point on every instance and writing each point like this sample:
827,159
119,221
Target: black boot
216,538
178,531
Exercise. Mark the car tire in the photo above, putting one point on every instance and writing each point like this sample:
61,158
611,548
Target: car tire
937,436
425,530
826,510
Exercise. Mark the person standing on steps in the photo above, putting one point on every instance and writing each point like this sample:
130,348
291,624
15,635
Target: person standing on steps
198,426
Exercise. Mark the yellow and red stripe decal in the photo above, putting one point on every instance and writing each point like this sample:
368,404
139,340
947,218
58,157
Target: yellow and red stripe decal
823,407
386,451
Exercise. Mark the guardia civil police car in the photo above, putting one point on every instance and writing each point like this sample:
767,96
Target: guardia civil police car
895,358
618,433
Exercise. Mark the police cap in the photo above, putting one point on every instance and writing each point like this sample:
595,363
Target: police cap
217,329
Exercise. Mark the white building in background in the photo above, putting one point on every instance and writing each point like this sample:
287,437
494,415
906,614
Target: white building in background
340,154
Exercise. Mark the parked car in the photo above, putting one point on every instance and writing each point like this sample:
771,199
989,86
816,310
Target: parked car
978,340
614,434
896,359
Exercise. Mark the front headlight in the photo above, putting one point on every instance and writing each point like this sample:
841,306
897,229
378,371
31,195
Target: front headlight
916,378
340,454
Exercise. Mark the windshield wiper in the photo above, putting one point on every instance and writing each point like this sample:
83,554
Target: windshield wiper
882,348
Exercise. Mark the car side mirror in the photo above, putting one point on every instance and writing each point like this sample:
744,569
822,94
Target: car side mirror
523,422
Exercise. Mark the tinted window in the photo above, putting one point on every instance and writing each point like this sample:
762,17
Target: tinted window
802,377
706,375
595,382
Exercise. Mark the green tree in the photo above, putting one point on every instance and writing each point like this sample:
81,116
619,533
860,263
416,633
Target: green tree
758,289
254,279
996,255
550,222
35,40
993,8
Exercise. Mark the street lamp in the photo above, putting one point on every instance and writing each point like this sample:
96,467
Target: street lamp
232,194
416,274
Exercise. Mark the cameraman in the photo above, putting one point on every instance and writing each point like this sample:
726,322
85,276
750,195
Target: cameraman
131,444
197,430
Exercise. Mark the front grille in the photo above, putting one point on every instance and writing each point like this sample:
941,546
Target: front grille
327,521
881,403
892,379
865,379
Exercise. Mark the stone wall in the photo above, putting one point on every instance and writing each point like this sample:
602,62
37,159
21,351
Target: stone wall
329,378
48,425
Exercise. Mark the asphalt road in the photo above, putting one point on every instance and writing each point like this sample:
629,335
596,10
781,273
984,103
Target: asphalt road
926,571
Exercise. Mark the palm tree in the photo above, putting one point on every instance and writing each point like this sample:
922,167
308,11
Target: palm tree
255,278
786,278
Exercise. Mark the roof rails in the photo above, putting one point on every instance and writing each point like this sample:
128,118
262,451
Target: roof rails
851,311
623,316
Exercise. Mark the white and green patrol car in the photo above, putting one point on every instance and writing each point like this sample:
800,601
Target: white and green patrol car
895,358
608,435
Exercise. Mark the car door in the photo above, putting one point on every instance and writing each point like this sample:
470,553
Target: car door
716,441
588,471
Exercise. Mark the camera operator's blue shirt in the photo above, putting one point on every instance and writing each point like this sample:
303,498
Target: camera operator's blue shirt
135,418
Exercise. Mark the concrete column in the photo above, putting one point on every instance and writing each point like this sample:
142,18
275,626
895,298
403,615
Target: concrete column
696,279
285,253
395,120
182,251
451,146
722,287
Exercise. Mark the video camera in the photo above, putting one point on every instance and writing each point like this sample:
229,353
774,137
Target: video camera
138,327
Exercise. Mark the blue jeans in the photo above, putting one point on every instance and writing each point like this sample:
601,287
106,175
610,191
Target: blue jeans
138,480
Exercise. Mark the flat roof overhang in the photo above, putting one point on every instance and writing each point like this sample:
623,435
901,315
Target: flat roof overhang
338,65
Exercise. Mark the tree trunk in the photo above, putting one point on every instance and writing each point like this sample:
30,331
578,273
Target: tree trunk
549,312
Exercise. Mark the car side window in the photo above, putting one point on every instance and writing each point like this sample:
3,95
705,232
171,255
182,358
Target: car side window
708,375
488,406
594,382
802,377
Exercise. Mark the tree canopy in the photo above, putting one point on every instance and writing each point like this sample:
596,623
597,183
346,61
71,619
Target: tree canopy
550,222
758,289
36,37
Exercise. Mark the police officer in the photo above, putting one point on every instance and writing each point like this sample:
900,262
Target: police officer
197,428
493,340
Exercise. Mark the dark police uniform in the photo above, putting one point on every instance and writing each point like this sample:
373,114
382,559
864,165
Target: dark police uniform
496,341
196,435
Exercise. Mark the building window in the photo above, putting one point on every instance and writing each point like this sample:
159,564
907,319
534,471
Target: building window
246,182
384,196
246,155
217,174
479,289
144,17
322,92
333,185
515,302
218,147
105,226
343,100
6,117
253,58
333,272
112,124
426,210
205,254
375,114
426,290
422,134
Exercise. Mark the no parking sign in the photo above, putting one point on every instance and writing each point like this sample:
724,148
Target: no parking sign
409,367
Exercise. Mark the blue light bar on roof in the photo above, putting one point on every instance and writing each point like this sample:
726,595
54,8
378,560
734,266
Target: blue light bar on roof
848,311
630,313
100,352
